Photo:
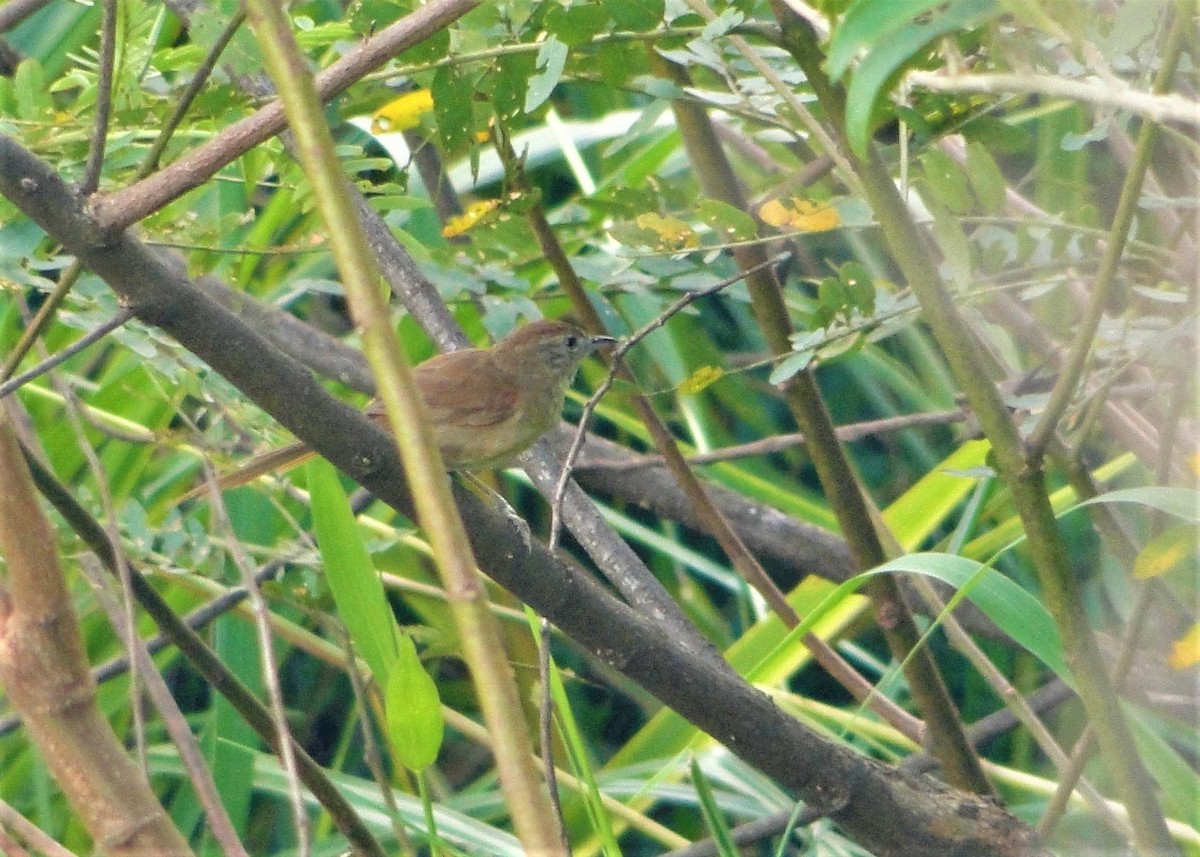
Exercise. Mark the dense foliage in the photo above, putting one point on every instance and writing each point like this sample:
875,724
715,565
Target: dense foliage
963,232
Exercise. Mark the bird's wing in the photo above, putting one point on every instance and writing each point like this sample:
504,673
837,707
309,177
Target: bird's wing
452,402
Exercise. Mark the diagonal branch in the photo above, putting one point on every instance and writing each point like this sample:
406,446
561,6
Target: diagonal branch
871,801
115,211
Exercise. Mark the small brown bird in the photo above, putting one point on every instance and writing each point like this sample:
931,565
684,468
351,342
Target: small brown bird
487,405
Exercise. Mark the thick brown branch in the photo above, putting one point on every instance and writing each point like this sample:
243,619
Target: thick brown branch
44,672
871,801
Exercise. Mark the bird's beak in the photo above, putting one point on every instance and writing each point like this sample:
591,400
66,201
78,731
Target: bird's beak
603,341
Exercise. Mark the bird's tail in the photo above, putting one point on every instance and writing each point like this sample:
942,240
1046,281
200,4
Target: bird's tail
284,458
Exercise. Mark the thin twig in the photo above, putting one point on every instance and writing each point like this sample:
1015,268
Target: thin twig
546,728
15,11
779,443
31,833
123,315
116,211
270,669
618,353
74,411
1155,106
1012,698
743,560
1105,280
41,320
195,85
371,754
216,818
104,92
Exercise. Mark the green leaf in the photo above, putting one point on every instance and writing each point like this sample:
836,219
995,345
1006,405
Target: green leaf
357,589
434,48
636,15
952,241
947,180
859,286
578,24
925,507
552,59
986,179
452,93
29,87
414,710
866,25
1015,611
1183,503
722,24
831,295
791,364
1177,779
717,826
511,83
730,223
887,57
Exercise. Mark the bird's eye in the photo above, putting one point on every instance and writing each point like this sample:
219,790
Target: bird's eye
572,341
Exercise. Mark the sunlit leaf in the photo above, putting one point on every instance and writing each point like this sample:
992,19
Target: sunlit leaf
672,231
355,585
1186,650
730,222
1171,549
414,710
551,59
476,211
800,214
402,113
701,378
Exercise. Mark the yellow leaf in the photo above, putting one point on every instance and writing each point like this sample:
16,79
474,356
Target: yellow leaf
673,231
402,113
475,211
700,379
1168,550
801,214
774,213
1186,651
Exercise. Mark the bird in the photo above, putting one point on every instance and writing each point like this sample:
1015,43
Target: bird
486,405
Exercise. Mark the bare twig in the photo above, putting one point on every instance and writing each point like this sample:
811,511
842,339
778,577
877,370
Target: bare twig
270,669
31,833
104,93
114,212
216,818
1105,280
1155,106
779,443
41,320
189,94
618,353
91,337
15,11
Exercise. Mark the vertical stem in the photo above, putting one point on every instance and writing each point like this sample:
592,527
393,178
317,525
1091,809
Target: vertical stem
943,728
482,646
1024,478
